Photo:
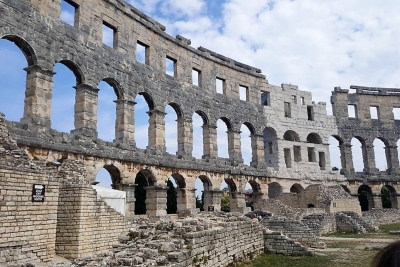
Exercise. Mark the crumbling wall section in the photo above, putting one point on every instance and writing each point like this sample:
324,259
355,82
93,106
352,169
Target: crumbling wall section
381,216
278,243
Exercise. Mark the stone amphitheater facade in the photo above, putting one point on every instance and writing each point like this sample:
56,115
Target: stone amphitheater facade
289,132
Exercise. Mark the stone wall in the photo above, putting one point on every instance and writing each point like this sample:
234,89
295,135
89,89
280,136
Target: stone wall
277,243
320,224
85,224
381,216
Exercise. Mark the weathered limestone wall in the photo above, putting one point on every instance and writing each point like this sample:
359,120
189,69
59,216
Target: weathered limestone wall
340,205
277,243
320,224
381,216
85,224
28,230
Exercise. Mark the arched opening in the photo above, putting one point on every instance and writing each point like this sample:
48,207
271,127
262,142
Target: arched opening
226,187
203,192
171,130
381,161
365,197
314,138
291,136
334,152
144,104
274,190
198,148
356,151
296,189
143,179
245,143
222,137
248,196
109,92
172,201
270,147
63,97
13,60
389,197
109,176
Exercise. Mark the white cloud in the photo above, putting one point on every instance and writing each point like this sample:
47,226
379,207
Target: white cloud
68,17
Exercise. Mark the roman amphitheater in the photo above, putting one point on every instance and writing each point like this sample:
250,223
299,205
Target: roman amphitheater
47,204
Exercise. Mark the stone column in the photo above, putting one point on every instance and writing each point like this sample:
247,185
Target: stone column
129,189
376,203
258,153
38,96
346,158
86,100
156,200
369,159
186,199
185,138
156,132
210,148
392,158
212,198
234,147
125,125
258,197
238,203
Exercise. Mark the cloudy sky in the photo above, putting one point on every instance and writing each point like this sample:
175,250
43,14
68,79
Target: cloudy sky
316,45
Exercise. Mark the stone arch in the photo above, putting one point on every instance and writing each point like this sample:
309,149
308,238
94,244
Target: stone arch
227,122
149,100
180,180
381,154
27,50
358,153
203,116
115,175
206,182
178,109
246,145
270,146
296,188
223,142
337,152
314,138
142,110
365,197
291,136
200,131
118,90
76,70
231,184
274,190
149,176
250,127
389,197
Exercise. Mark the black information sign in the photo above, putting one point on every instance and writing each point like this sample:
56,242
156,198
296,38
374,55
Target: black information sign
210,208
38,193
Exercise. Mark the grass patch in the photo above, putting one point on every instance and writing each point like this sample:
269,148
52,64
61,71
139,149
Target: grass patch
386,228
273,260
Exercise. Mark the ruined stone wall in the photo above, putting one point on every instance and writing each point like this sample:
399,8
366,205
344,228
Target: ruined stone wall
277,243
85,224
381,216
320,224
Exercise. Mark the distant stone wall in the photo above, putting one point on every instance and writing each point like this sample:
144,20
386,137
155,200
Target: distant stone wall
348,205
277,243
320,224
381,216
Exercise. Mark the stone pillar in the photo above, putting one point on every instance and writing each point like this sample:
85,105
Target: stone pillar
38,96
369,159
156,132
185,138
86,100
258,197
258,153
129,189
346,158
186,199
238,203
156,200
210,148
212,198
125,125
392,158
234,147
376,203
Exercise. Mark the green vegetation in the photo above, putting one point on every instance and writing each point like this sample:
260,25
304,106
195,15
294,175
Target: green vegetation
390,227
225,203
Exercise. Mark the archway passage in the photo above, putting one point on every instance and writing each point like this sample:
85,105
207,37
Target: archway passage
203,193
245,143
296,188
109,92
171,128
274,190
357,154
381,160
335,154
222,138
13,60
291,136
198,136
314,138
270,147
140,193
172,202
365,197
144,104
389,197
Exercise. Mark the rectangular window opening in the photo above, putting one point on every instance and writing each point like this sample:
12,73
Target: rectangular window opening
352,111
297,153
270,148
69,12
219,85
294,99
303,102
142,51
287,109
109,35
322,160
311,154
170,66
396,113
243,93
196,77
374,111
265,99
288,158
310,113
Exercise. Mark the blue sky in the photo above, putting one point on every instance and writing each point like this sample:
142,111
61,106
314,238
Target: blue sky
316,45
